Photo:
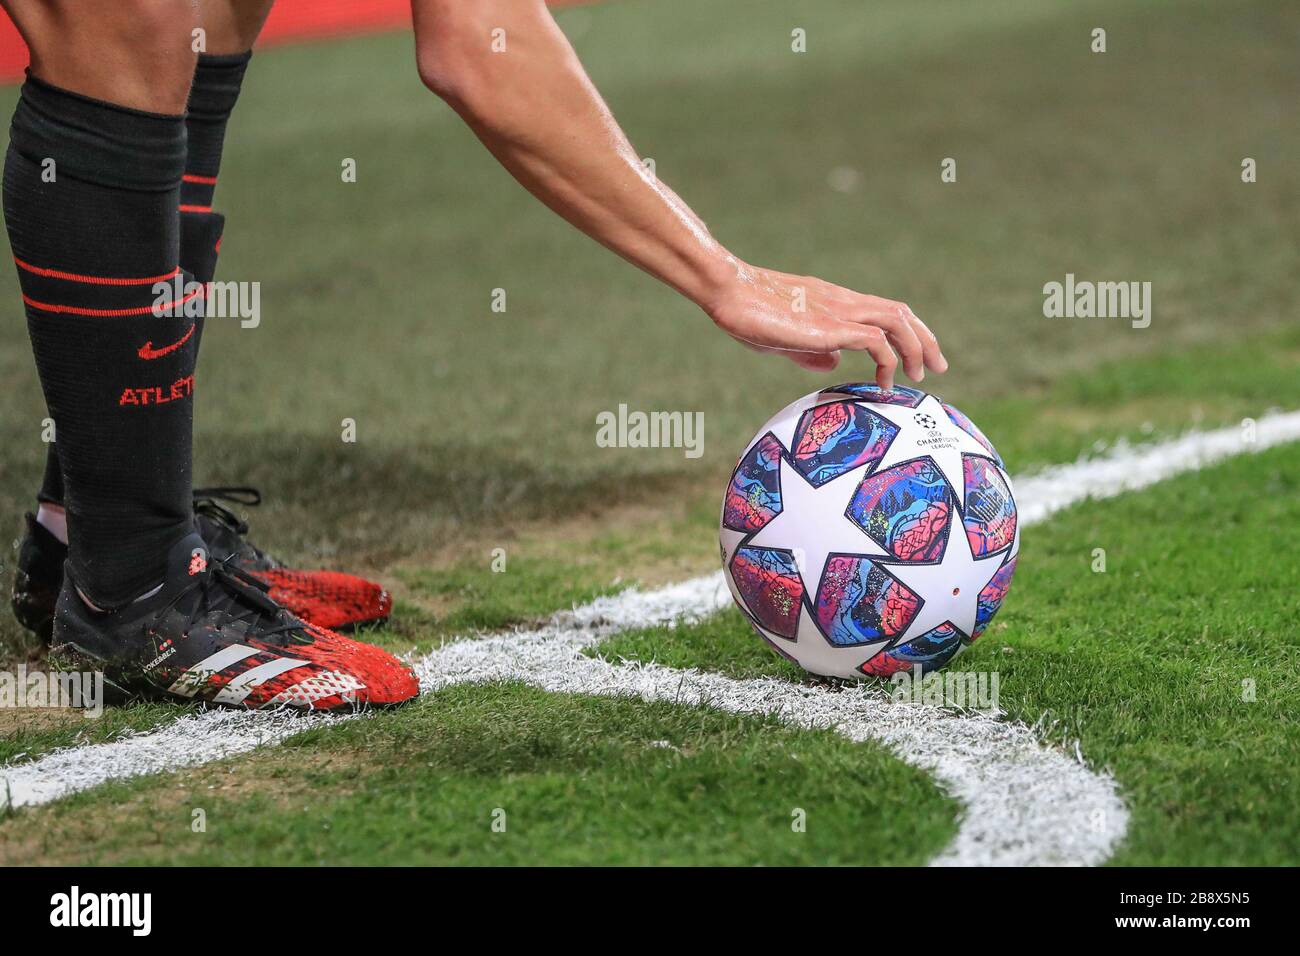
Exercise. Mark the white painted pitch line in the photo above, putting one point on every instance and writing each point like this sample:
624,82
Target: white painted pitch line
1025,803
188,741
1131,467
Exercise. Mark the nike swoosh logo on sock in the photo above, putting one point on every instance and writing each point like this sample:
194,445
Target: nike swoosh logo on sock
148,352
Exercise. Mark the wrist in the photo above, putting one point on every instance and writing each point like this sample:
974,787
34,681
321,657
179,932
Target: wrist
715,275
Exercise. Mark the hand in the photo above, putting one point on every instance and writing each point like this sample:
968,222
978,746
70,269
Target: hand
809,321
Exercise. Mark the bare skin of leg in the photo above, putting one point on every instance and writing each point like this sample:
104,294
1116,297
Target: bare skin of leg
232,26
136,53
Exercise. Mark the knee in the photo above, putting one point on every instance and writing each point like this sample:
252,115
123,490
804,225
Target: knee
136,52
158,17
166,29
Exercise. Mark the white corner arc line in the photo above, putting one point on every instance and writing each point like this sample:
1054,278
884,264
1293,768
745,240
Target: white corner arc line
1026,803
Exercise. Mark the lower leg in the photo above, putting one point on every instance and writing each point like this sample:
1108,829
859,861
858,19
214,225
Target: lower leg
93,224
230,28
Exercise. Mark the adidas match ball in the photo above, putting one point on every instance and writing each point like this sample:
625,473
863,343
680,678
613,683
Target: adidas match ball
867,531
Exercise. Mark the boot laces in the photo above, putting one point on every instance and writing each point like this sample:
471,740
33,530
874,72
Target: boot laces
207,501
225,595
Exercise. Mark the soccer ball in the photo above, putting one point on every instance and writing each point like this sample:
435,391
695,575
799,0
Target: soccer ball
867,531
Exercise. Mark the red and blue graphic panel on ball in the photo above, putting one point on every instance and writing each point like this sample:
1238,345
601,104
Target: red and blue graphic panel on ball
930,651
992,596
898,395
754,496
906,510
858,603
990,512
768,580
970,428
837,437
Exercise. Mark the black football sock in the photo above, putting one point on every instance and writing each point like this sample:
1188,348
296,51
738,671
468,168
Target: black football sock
217,81
91,193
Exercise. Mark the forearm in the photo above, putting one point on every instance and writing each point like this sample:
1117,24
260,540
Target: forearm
534,108
506,68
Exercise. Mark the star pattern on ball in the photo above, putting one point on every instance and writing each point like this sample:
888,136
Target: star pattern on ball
949,589
800,499
914,440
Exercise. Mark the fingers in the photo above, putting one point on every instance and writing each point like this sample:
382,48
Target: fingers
873,341
934,359
916,344
837,318
890,320
902,335
815,361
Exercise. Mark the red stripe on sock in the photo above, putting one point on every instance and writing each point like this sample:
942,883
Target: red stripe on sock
185,208
201,180
113,313
93,280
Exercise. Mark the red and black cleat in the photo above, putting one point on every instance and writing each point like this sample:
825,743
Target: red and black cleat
328,599
212,633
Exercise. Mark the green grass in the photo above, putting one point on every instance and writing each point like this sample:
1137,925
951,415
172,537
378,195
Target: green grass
1145,664
484,602
580,780
476,430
